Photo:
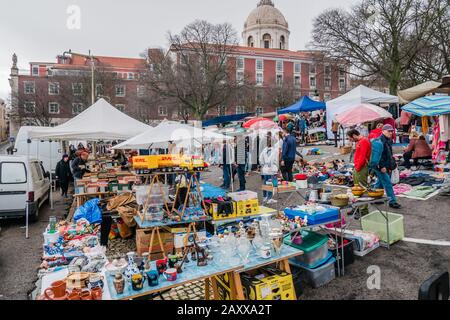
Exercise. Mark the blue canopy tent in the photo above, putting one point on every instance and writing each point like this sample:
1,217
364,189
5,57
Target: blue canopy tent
225,119
429,106
305,104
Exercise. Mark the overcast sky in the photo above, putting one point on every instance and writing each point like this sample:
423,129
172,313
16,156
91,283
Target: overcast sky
37,30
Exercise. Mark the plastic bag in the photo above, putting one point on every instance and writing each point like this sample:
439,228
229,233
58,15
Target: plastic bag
395,176
89,211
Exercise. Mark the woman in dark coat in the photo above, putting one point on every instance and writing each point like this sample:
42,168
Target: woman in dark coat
63,174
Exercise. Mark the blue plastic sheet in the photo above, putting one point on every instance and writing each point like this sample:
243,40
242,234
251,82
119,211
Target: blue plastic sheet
89,211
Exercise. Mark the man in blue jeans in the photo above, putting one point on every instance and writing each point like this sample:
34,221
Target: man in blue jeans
288,155
386,165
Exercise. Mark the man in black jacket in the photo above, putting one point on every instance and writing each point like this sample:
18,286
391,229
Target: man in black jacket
386,165
79,165
63,174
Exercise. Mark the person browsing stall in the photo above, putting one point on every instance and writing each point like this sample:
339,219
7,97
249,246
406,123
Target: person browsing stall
377,132
63,174
79,165
288,155
268,160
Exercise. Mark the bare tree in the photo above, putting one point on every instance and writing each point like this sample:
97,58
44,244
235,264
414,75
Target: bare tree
377,37
197,71
281,94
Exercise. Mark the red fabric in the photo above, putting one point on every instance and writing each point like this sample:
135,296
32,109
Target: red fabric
375,133
391,121
362,153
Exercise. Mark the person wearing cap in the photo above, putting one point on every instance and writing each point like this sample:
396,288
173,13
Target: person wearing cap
386,165
63,174
79,165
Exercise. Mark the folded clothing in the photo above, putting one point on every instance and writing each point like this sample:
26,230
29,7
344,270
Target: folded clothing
420,191
402,188
412,181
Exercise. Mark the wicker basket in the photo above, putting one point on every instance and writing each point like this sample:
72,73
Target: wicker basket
339,202
346,149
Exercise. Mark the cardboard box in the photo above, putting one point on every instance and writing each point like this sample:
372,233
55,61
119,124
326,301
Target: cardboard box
270,284
143,241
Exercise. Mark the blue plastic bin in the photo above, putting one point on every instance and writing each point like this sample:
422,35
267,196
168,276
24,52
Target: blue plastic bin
330,214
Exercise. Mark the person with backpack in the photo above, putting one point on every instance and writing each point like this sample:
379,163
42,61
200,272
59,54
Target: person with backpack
361,161
382,163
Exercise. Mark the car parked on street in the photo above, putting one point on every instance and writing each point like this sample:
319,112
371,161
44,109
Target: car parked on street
22,179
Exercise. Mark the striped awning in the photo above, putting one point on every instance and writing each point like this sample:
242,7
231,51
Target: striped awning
429,106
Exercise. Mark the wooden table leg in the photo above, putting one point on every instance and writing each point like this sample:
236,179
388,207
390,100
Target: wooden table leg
207,288
285,266
215,290
237,292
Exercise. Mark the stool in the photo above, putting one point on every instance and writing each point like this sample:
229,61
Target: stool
435,288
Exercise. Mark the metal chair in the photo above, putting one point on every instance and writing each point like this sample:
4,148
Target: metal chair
435,288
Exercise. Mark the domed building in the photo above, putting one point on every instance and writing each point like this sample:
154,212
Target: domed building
266,27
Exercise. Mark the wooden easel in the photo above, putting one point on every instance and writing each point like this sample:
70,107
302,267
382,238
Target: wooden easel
161,245
192,181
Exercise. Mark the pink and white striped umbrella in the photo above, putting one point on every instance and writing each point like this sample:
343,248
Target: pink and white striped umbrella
362,113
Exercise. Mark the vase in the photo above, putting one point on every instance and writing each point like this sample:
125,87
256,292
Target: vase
119,283
132,268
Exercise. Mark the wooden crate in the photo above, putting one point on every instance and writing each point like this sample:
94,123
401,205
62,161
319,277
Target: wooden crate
143,242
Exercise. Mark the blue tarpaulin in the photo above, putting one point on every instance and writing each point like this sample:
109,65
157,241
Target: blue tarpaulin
305,104
225,119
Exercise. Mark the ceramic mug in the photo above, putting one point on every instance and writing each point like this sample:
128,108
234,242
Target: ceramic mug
152,278
265,252
74,296
170,274
97,293
173,259
161,265
95,280
58,290
86,295
137,282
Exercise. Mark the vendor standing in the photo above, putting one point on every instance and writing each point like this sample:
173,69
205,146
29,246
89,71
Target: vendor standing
63,174
79,165
361,161
335,129
268,159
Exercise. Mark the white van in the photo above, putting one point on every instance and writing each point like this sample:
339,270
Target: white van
22,179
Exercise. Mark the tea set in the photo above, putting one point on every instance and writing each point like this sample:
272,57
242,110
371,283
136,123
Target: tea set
85,289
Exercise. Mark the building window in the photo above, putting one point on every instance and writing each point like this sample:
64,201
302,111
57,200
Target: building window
53,124
312,68
282,43
259,110
77,108
35,70
279,79
297,67
267,39
99,90
240,63
259,78
120,107
240,77
120,90
30,107
240,110
342,84
53,88
250,42
53,108
259,65
327,83
312,82
341,71
131,76
279,66
162,111
77,89
297,81
221,111
327,70
29,87
140,91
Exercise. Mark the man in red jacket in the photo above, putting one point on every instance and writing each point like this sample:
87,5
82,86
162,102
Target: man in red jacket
377,132
361,161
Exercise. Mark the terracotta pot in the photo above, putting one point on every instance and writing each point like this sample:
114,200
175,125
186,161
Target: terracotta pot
57,291
97,293
74,296
86,295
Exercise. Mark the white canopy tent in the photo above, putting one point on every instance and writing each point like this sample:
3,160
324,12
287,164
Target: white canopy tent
101,121
171,131
358,95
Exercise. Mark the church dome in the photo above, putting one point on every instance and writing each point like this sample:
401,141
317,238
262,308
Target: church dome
266,14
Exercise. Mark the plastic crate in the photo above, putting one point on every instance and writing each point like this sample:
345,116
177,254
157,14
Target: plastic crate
376,223
349,256
328,215
320,276
314,247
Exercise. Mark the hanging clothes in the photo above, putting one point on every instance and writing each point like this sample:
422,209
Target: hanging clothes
444,127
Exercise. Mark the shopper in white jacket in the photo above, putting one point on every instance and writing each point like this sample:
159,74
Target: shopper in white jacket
269,161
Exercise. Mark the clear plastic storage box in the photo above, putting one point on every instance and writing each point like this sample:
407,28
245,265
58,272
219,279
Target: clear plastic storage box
376,223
